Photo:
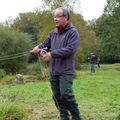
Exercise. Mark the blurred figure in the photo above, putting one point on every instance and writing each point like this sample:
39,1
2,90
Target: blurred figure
92,61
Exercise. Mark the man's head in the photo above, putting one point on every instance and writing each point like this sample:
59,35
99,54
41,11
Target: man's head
61,17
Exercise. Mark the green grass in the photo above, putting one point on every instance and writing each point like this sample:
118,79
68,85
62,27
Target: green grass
10,111
98,95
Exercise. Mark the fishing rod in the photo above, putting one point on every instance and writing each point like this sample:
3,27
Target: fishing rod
26,53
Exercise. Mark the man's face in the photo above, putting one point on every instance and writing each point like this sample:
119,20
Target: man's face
59,18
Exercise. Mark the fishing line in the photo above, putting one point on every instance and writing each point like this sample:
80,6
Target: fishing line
14,57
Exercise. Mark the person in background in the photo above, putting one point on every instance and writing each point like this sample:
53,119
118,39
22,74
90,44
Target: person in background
61,43
92,61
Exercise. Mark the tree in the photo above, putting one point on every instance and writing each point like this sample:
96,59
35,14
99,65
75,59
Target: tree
107,30
14,48
52,4
27,23
87,37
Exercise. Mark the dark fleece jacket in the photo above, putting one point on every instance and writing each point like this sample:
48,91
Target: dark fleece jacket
62,45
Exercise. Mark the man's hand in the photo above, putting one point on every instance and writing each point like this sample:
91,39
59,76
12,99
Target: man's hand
35,50
47,57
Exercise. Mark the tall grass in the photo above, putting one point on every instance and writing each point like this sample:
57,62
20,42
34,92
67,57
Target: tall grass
11,111
98,96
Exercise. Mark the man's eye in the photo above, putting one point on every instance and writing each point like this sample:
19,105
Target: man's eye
58,16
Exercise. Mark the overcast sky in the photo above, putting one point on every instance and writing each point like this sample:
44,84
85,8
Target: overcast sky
90,9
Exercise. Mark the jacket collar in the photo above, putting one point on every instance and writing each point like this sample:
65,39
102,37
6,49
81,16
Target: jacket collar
66,27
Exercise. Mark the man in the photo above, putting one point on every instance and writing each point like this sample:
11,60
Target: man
62,43
92,61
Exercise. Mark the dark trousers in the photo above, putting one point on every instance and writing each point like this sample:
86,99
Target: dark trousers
62,88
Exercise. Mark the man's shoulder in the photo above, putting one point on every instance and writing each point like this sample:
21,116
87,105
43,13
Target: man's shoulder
53,31
73,28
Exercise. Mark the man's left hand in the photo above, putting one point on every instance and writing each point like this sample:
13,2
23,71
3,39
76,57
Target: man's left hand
47,57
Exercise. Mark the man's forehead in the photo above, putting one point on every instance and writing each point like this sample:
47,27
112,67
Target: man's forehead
58,11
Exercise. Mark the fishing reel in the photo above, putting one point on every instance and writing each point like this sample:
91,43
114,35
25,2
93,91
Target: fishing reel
42,52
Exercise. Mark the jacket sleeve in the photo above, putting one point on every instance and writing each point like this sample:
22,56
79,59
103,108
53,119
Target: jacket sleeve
73,42
46,43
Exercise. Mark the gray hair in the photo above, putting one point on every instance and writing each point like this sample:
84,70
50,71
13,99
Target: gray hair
65,12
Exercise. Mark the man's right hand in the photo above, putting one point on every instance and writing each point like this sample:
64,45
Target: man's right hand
35,50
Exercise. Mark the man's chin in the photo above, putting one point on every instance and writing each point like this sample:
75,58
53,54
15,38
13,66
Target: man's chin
57,26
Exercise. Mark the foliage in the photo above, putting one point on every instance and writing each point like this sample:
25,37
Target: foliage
28,23
11,111
32,58
107,30
52,4
14,48
118,117
79,58
2,73
87,38
37,24
47,25
8,79
39,69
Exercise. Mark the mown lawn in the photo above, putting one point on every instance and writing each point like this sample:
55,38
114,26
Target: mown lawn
98,95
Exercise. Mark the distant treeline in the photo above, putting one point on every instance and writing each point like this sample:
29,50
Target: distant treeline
100,36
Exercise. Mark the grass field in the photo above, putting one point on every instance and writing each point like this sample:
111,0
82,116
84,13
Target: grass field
98,97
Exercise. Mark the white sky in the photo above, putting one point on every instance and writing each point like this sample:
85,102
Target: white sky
11,8
92,8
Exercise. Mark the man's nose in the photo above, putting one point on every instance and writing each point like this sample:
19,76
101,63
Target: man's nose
55,18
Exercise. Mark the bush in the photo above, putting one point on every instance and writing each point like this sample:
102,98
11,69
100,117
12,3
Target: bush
2,73
10,111
118,117
39,69
79,58
14,48
8,79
